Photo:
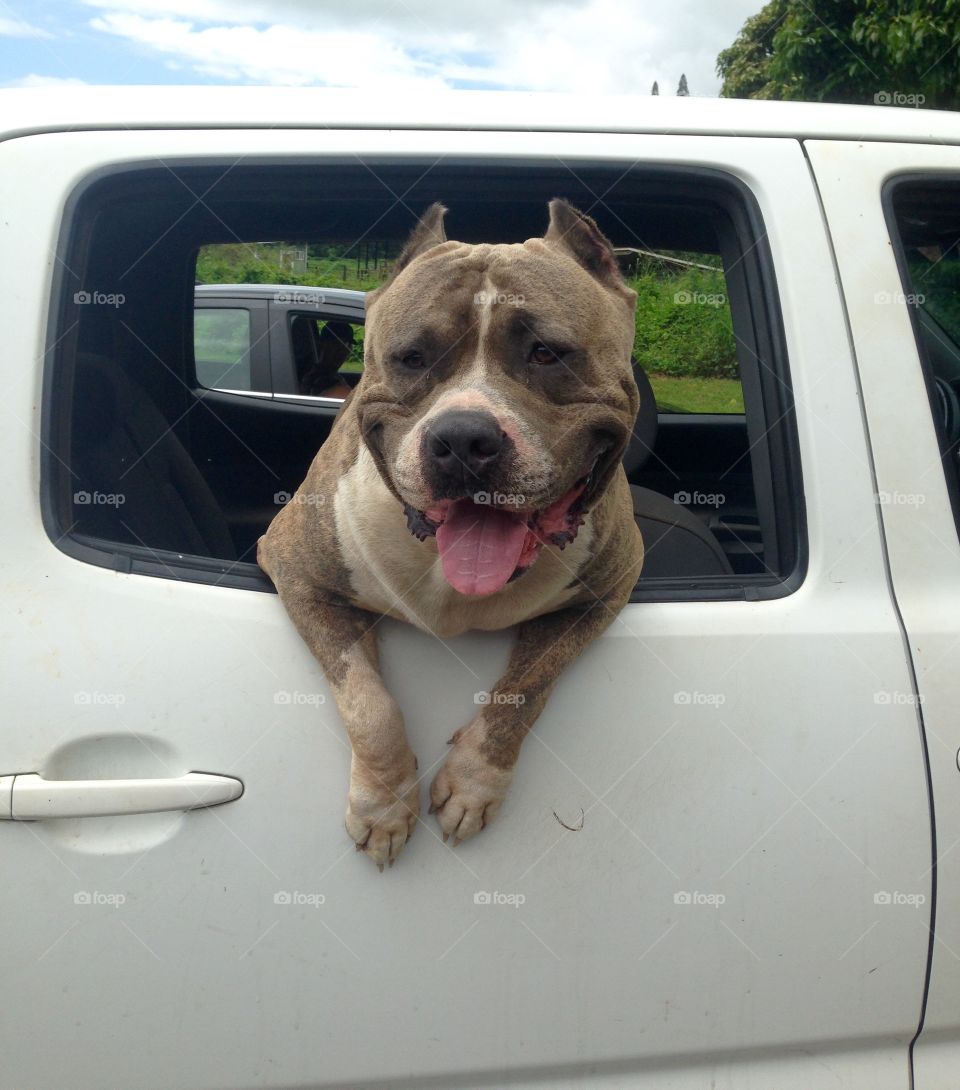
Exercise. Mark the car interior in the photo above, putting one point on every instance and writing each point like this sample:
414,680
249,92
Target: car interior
202,471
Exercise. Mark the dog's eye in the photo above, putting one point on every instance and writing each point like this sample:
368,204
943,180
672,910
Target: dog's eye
413,359
543,354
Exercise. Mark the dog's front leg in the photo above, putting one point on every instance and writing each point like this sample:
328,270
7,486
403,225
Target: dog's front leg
383,803
468,790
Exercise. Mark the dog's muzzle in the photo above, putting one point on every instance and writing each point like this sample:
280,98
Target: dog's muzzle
464,451
485,544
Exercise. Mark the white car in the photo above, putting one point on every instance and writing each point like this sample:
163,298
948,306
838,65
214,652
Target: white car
732,859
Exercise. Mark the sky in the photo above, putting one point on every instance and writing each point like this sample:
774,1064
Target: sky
601,46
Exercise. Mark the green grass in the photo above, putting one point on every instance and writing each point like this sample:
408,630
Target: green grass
697,395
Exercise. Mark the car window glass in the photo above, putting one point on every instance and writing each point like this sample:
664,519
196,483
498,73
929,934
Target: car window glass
925,221
221,347
327,354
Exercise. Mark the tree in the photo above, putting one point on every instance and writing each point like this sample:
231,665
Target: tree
682,89
655,90
889,51
745,66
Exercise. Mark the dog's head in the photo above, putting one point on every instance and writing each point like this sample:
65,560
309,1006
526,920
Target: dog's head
498,396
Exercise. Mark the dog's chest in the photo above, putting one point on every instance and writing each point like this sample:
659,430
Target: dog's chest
391,572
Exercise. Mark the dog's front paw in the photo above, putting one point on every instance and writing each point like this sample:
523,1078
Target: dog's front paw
382,811
468,790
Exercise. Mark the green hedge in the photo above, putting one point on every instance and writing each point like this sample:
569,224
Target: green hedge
683,324
237,263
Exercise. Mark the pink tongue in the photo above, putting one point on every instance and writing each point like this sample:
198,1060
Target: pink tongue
479,547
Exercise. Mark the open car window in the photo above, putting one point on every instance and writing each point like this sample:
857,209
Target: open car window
175,398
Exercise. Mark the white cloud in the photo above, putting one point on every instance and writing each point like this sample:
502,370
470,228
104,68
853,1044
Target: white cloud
34,80
582,46
17,28
419,17
276,54
602,46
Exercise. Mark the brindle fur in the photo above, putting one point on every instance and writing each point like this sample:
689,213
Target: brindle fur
341,553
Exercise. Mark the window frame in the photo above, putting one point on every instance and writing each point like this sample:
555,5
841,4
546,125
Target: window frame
755,308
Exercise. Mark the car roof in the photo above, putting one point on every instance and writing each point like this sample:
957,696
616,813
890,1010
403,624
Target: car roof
286,293
26,111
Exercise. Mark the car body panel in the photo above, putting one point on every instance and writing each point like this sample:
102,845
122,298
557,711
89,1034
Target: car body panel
919,529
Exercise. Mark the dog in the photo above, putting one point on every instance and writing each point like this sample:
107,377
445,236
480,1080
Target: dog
472,480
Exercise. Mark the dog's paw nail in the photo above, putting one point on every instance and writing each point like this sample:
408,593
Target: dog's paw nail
390,864
446,837
380,867
433,808
457,842
416,764
359,847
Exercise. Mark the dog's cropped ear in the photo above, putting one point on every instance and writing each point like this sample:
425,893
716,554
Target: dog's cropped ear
577,235
427,234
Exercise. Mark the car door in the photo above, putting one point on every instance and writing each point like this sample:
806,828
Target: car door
687,886
906,396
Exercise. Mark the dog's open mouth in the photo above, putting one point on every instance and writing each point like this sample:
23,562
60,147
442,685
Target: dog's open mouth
484,545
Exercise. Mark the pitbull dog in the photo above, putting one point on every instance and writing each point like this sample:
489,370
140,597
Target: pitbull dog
471,481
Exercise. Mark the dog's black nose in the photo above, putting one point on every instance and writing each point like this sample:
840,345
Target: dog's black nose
464,444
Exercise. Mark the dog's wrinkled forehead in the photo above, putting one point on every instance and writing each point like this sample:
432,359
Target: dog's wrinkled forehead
470,317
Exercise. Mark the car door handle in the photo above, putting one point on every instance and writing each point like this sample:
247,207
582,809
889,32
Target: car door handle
27,796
